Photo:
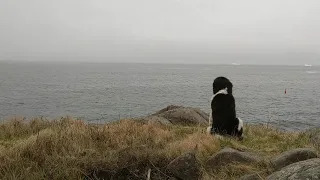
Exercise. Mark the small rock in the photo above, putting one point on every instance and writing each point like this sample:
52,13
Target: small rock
229,156
293,156
308,169
185,167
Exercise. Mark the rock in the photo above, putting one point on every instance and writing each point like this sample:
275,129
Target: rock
229,156
293,156
202,114
254,176
183,115
185,167
168,108
308,169
157,119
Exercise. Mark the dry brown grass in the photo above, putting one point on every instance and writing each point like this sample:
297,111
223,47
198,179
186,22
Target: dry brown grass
72,149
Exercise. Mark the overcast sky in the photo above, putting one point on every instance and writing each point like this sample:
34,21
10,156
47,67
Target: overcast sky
182,31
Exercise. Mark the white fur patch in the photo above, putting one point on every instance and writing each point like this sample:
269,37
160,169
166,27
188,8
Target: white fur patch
240,126
209,129
211,99
222,91
218,137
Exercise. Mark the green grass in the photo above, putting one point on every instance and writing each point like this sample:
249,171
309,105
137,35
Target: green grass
72,149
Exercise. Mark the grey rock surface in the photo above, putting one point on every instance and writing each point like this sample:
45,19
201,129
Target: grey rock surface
308,170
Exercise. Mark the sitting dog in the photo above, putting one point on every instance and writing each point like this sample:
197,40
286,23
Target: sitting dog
222,119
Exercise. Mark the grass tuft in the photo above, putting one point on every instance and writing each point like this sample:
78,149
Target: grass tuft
71,149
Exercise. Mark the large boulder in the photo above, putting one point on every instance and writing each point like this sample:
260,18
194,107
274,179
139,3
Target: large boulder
308,169
293,156
182,115
231,156
185,167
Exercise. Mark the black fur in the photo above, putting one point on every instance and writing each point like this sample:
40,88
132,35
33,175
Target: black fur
221,83
223,110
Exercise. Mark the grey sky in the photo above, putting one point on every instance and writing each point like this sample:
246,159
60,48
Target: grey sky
189,31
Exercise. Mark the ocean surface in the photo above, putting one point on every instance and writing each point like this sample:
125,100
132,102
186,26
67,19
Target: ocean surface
102,92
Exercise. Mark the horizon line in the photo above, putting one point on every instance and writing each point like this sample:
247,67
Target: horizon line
163,63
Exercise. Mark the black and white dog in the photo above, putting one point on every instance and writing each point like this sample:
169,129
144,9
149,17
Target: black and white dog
223,120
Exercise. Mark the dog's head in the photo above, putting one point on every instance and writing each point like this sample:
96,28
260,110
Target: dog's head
221,83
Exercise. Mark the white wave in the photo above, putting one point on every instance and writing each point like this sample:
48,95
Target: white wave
312,72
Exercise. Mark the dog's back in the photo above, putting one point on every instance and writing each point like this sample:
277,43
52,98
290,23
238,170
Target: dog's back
224,114
223,110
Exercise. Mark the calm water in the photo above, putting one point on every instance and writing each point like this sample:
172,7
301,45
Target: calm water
107,92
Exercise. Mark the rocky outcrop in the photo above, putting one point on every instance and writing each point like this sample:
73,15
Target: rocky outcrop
230,156
308,169
185,167
180,115
293,156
